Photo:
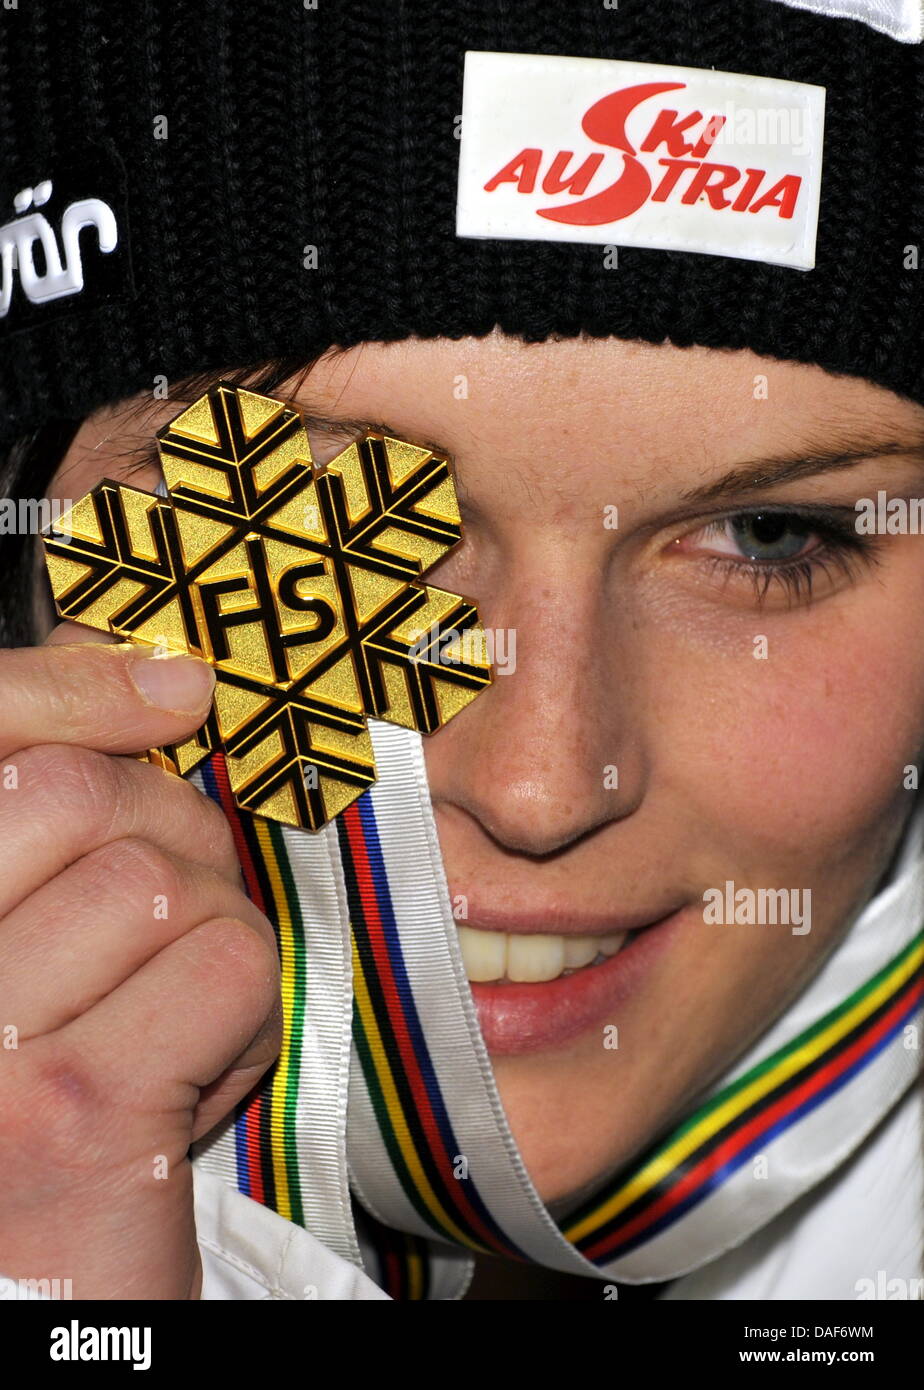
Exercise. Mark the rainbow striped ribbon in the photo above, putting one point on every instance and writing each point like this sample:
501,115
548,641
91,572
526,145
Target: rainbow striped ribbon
402,1080
744,1117
265,1131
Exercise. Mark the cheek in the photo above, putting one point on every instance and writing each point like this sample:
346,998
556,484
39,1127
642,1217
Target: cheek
804,751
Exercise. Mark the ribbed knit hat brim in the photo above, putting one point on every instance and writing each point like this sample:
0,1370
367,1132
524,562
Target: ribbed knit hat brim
333,128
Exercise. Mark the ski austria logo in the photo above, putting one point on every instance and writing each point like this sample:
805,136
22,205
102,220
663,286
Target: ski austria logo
635,154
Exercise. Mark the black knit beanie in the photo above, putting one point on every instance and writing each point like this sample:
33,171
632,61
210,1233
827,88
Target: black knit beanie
283,174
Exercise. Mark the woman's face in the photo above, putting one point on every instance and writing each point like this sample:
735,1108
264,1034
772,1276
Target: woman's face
692,696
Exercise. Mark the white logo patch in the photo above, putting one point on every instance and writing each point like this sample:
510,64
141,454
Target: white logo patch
55,277
639,154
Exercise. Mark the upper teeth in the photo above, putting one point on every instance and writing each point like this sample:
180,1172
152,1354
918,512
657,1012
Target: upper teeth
494,955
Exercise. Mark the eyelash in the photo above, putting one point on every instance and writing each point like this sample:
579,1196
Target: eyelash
842,550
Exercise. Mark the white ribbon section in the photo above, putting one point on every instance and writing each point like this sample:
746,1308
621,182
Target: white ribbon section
430,945
900,19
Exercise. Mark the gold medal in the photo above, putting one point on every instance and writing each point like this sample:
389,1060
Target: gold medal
298,583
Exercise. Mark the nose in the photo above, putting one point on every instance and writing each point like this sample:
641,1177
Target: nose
552,751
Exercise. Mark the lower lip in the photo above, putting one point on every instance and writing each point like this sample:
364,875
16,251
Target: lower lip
527,1018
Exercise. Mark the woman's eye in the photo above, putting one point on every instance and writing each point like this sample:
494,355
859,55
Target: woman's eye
761,536
791,550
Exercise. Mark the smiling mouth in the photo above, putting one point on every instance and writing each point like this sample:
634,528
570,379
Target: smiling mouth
515,958
536,989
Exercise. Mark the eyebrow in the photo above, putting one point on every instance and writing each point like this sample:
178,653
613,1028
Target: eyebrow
352,424
771,472
751,476
147,452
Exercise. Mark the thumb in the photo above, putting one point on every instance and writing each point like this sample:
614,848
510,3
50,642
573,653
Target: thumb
81,687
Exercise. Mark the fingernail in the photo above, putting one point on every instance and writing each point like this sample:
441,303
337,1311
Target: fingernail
175,682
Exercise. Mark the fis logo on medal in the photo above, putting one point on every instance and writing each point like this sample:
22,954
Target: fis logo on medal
299,584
